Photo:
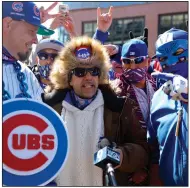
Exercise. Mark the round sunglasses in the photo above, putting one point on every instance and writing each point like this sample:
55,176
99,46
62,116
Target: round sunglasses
45,56
81,72
136,60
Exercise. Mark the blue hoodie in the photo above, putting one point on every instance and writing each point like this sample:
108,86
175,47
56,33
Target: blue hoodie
171,152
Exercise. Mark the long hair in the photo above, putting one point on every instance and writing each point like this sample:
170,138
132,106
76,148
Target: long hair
67,61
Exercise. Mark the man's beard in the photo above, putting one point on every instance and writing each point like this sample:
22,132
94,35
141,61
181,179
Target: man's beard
23,56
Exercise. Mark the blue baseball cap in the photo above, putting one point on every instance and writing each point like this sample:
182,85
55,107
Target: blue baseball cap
171,35
134,48
26,11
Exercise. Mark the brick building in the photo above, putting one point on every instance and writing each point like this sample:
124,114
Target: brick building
129,16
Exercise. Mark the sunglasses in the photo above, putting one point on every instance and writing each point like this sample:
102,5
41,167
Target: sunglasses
137,60
45,56
81,72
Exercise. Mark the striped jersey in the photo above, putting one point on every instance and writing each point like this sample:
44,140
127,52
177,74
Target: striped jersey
12,84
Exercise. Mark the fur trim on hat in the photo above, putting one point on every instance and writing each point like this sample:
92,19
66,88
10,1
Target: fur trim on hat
67,61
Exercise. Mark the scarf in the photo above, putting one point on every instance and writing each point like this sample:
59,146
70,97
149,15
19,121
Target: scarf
79,102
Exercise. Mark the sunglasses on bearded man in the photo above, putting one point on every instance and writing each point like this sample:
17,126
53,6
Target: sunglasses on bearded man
136,60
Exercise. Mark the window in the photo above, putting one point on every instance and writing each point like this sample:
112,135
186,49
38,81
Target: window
119,30
168,21
89,28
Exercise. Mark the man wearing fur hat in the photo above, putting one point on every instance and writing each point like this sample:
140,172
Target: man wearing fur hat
80,69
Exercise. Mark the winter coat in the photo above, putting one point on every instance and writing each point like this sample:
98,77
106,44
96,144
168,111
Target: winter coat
120,126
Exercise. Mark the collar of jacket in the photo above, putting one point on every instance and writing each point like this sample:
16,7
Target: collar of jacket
54,97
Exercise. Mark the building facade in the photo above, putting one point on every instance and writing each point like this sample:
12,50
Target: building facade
129,16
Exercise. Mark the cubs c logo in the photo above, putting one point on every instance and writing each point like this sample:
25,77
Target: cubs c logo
36,10
35,143
17,6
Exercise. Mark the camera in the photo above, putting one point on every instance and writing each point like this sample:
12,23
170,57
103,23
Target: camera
64,9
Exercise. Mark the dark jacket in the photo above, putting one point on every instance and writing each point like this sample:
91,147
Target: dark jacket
121,127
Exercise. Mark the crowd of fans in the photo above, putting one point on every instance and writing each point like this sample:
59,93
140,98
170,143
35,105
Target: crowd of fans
104,90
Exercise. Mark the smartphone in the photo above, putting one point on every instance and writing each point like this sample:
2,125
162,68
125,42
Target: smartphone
63,9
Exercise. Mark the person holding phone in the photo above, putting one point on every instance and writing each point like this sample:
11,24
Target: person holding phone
64,19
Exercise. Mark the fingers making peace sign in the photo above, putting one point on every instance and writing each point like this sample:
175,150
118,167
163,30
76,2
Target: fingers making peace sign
44,13
104,20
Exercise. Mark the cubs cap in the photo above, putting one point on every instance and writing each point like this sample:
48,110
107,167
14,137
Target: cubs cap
26,11
134,48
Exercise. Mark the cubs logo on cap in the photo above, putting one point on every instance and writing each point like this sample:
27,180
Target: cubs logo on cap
36,10
83,52
132,53
35,143
25,11
134,47
17,6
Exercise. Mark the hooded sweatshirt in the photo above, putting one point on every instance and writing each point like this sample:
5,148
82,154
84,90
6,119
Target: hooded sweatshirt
85,127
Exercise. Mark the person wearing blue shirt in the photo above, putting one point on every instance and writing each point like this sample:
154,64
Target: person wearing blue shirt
168,127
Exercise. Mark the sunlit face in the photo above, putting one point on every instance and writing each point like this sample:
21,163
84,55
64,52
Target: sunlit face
86,86
21,35
133,65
